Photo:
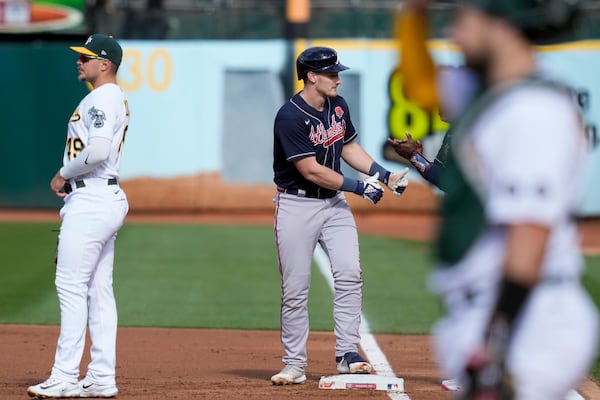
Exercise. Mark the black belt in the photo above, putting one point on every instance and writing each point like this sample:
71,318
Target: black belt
320,193
81,183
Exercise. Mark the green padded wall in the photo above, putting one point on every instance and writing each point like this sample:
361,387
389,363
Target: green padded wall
40,90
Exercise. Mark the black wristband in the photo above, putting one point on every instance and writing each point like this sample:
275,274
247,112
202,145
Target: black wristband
511,298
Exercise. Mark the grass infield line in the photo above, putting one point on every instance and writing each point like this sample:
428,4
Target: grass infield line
367,341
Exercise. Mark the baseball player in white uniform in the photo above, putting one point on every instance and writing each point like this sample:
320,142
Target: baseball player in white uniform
518,323
94,209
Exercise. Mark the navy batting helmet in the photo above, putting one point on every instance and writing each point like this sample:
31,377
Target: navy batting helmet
536,18
318,59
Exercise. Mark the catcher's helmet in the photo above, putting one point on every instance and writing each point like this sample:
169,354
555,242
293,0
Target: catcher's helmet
537,19
318,59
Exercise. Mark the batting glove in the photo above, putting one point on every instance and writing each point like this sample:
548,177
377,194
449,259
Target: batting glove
370,188
398,182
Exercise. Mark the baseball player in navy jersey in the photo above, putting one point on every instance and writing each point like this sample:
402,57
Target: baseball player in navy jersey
313,131
94,209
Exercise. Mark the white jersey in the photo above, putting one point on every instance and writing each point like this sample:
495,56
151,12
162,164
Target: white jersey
104,112
524,154
513,164
532,140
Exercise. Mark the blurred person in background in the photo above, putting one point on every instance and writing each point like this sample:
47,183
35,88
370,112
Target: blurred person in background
412,150
518,323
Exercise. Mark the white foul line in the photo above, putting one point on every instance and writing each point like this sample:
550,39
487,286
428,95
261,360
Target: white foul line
368,343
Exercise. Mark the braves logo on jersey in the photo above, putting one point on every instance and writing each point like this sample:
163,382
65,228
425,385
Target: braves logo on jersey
327,137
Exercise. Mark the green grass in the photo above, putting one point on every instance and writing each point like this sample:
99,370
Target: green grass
222,277
211,276
195,276
396,299
27,293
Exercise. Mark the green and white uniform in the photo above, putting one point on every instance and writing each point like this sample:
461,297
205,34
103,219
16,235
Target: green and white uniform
517,156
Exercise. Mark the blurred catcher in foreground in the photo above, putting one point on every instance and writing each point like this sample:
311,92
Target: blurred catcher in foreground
519,325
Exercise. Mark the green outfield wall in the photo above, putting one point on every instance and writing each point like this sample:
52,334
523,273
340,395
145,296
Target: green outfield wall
206,107
40,90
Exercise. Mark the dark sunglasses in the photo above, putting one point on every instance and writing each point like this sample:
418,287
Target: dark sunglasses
85,58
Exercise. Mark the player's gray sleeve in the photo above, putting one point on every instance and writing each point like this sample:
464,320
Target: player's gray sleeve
97,151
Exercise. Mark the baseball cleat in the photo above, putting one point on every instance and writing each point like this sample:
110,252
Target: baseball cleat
90,389
353,363
289,375
451,385
54,388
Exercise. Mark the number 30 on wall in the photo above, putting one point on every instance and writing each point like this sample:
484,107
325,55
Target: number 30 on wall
154,70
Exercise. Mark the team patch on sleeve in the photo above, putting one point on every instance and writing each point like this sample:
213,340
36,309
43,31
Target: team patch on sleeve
98,117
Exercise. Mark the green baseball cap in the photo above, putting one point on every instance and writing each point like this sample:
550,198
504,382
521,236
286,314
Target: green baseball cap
103,46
